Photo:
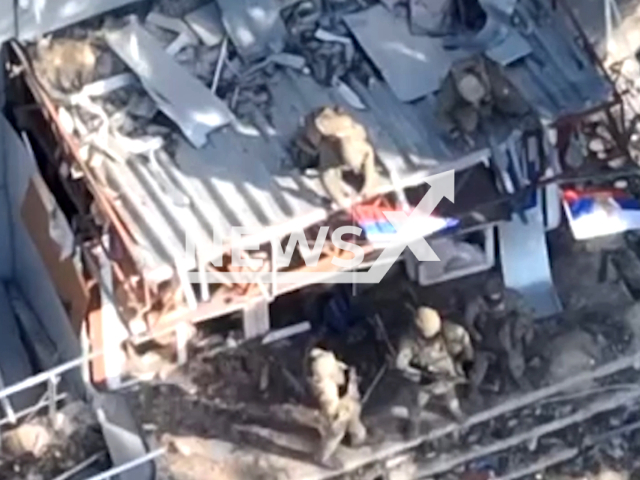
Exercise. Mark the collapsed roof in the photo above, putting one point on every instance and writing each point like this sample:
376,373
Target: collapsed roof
236,78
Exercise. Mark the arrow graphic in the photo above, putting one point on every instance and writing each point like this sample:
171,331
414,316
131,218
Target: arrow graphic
408,228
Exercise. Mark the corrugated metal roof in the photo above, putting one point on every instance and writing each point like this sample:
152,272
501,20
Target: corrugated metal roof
240,178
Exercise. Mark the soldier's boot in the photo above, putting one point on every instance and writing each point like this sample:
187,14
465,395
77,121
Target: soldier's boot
479,370
418,402
357,432
332,435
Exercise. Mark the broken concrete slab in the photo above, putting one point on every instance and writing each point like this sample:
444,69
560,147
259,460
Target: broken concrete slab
254,26
412,66
206,22
178,94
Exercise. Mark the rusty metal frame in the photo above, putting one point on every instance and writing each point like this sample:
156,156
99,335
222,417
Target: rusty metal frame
220,303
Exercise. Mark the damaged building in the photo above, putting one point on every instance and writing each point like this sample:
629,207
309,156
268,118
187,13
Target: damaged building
217,170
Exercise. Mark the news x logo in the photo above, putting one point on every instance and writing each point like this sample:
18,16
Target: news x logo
408,229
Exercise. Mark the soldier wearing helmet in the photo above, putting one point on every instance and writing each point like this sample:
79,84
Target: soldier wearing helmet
431,356
340,414
333,140
500,323
475,89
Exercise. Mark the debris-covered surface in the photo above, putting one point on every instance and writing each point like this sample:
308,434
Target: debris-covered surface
163,188
218,151
39,449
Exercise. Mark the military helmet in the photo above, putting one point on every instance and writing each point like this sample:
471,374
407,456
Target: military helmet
324,364
471,88
494,288
428,321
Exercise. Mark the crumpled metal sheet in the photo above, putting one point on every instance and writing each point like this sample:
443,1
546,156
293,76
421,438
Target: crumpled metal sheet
206,22
44,16
194,108
254,26
414,66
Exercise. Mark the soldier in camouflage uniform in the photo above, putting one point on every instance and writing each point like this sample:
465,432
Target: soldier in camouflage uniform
340,415
333,140
475,89
500,323
431,355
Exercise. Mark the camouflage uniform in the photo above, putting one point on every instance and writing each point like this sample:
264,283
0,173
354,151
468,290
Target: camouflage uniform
338,143
435,350
475,89
501,324
340,415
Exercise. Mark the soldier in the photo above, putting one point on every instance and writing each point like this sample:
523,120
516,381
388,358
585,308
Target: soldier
340,415
500,322
337,143
474,90
431,356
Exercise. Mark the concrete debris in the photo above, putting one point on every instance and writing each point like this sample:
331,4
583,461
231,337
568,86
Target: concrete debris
65,64
570,354
182,97
75,417
29,438
254,26
206,22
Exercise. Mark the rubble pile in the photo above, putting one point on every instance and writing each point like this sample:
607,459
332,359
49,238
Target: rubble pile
40,450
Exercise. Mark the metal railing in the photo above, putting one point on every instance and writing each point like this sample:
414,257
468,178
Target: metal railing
50,401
